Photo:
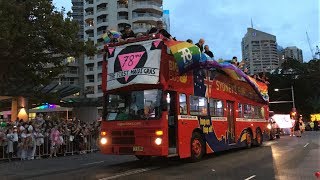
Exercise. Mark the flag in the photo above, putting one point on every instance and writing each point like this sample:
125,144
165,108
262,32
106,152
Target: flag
115,35
186,55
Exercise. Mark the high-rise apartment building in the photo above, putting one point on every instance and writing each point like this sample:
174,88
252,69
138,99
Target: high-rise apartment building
77,15
72,77
102,15
259,50
294,53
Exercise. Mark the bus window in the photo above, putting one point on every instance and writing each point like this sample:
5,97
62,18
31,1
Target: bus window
134,105
247,111
198,106
183,103
240,110
257,112
216,108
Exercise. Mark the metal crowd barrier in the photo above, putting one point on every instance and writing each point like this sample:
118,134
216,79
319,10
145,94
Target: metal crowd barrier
78,145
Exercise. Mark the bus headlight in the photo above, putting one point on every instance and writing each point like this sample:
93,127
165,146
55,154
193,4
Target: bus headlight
158,141
269,126
103,141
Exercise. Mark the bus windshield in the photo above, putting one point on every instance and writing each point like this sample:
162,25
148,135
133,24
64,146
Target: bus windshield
134,105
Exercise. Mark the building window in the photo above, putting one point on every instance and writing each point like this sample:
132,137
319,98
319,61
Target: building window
99,89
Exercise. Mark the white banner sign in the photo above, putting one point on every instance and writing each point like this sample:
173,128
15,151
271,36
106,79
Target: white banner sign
283,120
137,63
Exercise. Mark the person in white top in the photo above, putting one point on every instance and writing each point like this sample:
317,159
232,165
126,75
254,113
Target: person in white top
23,146
15,141
10,138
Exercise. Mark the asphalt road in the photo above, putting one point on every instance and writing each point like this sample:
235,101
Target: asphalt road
287,158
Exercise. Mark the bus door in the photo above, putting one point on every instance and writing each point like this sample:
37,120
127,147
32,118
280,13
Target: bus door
172,121
231,123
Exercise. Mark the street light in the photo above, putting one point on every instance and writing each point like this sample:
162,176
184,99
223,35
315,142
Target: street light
292,96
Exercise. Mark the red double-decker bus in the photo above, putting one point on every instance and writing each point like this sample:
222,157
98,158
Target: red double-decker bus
151,109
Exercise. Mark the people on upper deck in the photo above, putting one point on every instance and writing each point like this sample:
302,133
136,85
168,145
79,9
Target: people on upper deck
200,44
190,41
161,30
127,33
235,62
139,35
207,51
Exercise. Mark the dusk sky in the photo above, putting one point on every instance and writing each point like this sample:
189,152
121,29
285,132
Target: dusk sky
224,23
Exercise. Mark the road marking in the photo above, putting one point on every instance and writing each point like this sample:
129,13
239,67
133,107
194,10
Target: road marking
98,162
306,145
250,177
269,143
213,170
127,173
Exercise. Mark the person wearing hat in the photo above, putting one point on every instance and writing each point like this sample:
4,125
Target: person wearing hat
127,33
159,29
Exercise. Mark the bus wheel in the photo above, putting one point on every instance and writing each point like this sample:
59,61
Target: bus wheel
143,158
249,139
197,147
259,137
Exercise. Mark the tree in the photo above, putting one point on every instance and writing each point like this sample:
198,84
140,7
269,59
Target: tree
305,78
35,39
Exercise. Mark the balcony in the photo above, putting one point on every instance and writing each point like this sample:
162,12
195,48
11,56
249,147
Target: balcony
88,26
100,33
145,17
122,7
71,73
123,19
91,35
88,4
89,15
147,5
88,60
102,22
101,11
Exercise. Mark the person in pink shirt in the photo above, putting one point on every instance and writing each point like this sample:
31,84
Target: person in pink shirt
55,141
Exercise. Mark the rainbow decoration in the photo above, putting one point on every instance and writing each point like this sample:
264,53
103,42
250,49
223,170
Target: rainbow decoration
115,34
47,106
186,55
237,74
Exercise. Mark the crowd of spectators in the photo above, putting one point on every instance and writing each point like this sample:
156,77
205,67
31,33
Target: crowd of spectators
27,139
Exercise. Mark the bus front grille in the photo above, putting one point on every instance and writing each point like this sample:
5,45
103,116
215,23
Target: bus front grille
123,140
122,133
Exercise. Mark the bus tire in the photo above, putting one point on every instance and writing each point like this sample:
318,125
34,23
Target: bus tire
249,140
198,148
259,137
143,158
